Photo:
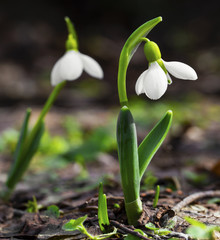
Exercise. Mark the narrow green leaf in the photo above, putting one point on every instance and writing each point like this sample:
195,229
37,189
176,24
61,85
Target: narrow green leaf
22,163
156,198
129,165
102,210
23,133
153,141
128,155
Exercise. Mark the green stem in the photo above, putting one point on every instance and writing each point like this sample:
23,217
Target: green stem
43,113
127,52
49,102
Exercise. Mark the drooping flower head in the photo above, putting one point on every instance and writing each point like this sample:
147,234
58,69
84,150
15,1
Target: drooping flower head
154,81
71,65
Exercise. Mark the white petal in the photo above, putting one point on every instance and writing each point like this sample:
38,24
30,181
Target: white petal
180,70
139,86
55,76
70,66
155,81
91,66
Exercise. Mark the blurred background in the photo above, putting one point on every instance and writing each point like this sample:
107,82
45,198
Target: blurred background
32,38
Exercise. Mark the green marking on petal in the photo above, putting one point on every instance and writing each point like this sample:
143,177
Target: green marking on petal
160,62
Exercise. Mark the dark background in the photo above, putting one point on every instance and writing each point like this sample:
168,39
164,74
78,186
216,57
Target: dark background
33,35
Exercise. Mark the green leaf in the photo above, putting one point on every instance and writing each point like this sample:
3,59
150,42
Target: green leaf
21,164
129,165
74,224
214,200
53,211
127,52
153,141
23,133
195,223
197,232
128,154
102,210
151,226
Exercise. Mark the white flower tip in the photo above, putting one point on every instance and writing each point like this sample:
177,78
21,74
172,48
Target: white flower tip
92,67
100,74
154,97
193,75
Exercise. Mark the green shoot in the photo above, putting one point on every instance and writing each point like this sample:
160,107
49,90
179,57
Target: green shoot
156,196
102,210
77,224
157,231
32,206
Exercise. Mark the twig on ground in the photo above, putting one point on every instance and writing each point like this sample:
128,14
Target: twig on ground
193,197
127,230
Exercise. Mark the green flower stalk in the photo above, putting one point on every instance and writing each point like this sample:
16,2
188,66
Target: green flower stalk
127,52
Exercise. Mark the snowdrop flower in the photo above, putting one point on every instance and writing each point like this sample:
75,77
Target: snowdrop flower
71,65
154,81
